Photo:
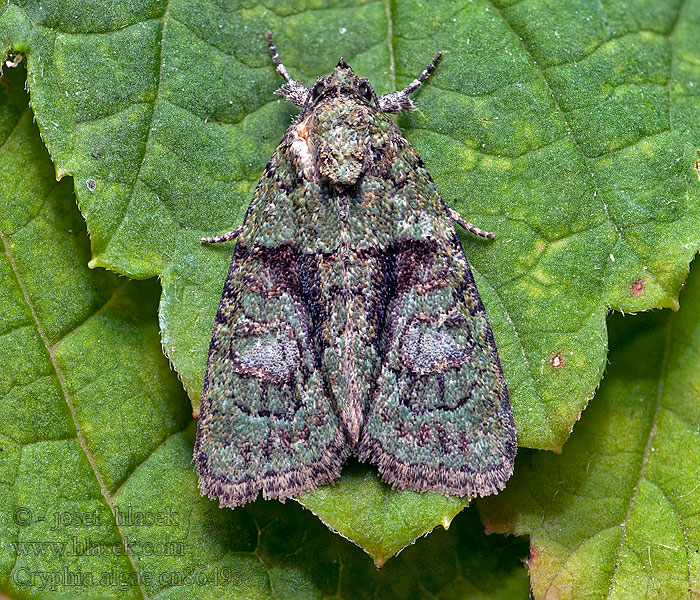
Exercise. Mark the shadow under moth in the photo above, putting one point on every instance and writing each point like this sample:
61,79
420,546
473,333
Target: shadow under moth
350,321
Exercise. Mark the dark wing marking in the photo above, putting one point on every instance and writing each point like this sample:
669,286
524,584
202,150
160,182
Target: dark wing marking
266,420
440,416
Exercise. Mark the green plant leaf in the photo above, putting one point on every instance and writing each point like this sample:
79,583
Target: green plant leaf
98,498
616,515
568,128
379,521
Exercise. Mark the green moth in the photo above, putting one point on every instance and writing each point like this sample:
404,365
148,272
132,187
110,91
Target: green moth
349,320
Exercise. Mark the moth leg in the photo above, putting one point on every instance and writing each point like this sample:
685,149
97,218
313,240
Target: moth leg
226,237
293,91
397,101
457,218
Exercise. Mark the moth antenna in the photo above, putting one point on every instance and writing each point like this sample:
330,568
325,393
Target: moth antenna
397,101
416,83
281,69
293,91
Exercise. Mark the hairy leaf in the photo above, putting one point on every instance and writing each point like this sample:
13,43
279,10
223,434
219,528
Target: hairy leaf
568,128
616,515
98,498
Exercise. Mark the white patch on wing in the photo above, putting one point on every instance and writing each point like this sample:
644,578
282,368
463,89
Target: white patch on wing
427,348
271,356
302,150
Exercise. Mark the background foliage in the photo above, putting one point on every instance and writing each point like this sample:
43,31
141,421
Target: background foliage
571,129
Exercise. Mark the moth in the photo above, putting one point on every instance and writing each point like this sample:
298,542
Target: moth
350,322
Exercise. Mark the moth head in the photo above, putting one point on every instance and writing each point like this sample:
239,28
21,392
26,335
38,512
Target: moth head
341,117
342,82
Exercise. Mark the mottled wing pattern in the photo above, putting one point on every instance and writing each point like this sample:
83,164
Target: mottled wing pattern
440,416
266,420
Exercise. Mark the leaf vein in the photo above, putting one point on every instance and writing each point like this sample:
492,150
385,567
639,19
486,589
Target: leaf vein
149,131
59,375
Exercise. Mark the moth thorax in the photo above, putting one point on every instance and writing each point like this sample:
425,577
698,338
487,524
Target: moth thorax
341,141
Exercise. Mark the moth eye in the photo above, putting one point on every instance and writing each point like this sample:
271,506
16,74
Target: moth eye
365,91
316,90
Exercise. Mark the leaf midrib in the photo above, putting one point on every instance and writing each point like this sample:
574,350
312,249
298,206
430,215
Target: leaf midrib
390,42
51,350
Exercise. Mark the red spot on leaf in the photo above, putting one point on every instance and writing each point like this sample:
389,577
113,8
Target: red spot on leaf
534,553
637,287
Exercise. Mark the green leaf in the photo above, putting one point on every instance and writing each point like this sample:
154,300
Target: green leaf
382,522
98,498
568,128
616,515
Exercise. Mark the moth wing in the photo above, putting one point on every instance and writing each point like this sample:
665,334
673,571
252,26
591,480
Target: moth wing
440,418
266,420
